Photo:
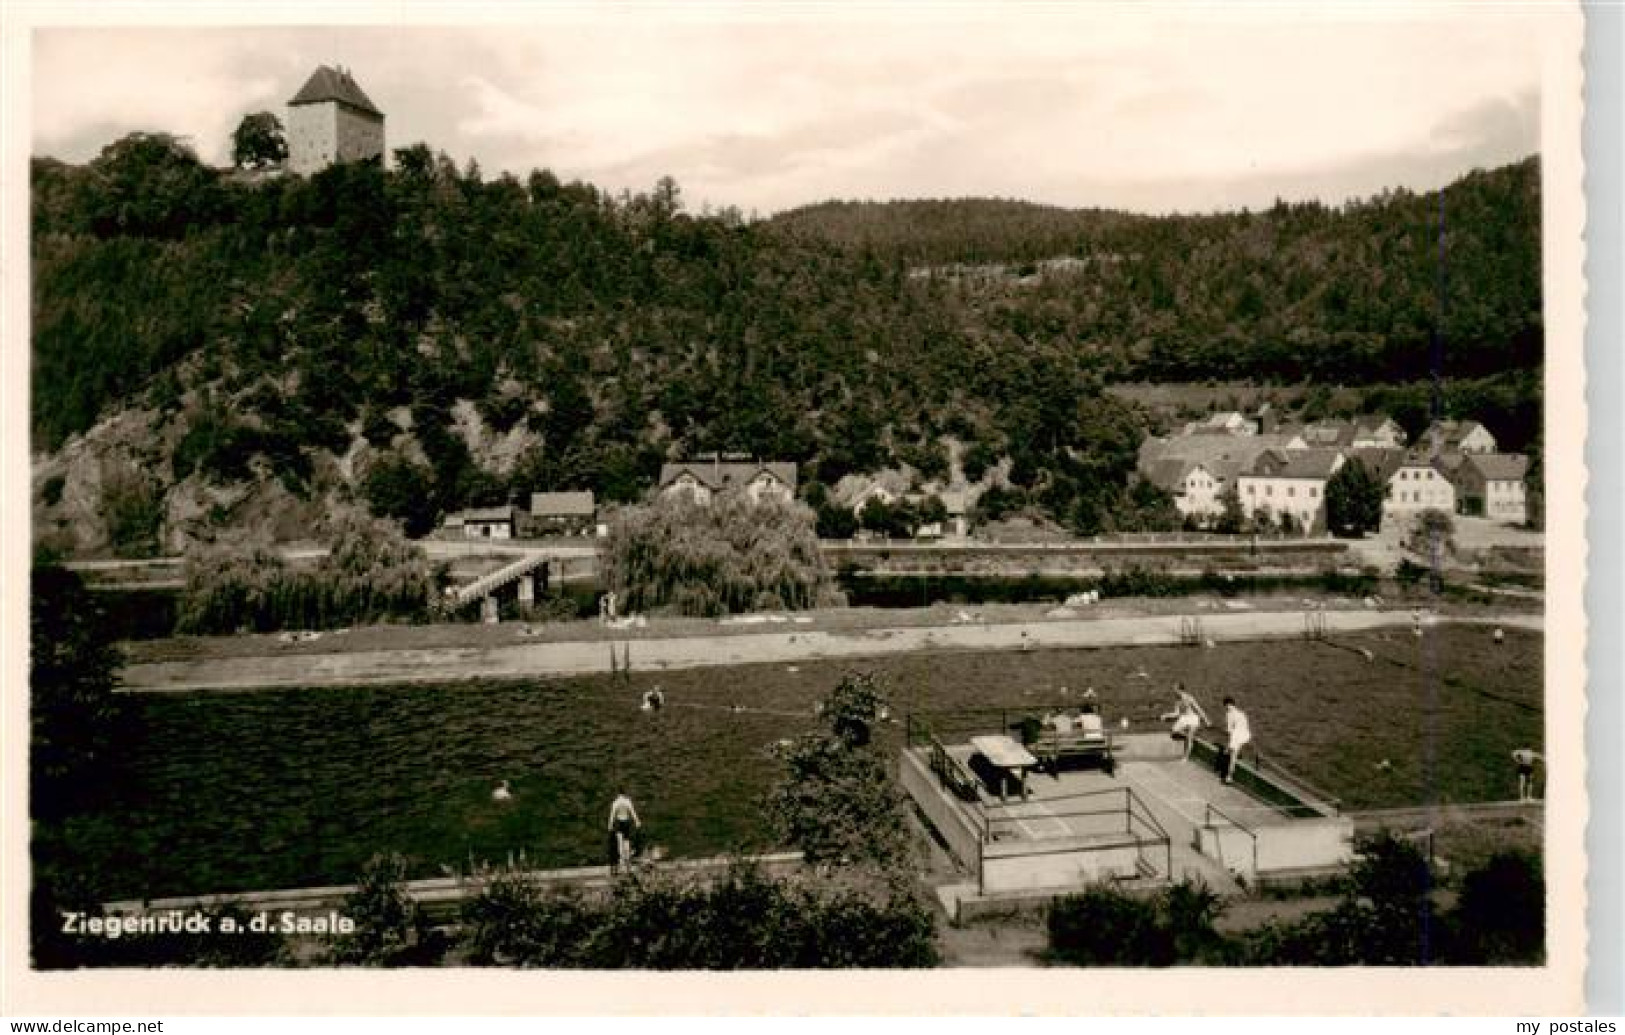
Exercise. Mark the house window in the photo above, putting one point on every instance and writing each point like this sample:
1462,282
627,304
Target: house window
1313,492
1269,490
1250,490
1291,491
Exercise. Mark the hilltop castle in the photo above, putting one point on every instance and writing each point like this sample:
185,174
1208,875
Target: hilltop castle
331,120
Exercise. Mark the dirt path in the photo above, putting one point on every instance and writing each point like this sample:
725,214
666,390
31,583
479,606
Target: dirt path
447,664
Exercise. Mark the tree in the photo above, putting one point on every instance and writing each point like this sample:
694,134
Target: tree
399,487
1432,532
151,185
725,557
76,721
1232,518
1354,498
836,800
258,142
390,929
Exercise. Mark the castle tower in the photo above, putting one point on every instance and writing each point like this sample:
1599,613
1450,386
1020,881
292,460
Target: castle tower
330,120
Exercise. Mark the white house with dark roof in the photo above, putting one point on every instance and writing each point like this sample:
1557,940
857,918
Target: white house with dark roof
1197,470
1492,485
1412,481
701,480
1289,482
485,522
332,121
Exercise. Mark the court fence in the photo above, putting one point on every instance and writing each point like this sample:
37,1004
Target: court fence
1027,844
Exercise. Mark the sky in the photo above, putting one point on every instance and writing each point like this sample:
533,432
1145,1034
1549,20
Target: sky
767,107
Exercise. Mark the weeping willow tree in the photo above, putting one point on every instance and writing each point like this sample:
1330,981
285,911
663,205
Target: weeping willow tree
371,573
728,557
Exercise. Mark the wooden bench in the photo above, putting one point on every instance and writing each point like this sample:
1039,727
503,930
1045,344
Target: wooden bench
1053,747
955,775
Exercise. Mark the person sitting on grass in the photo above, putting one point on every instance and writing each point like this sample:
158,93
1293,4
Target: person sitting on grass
1187,717
1241,734
654,699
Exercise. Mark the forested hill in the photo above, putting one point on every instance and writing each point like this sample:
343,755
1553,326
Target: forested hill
429,338
1344,293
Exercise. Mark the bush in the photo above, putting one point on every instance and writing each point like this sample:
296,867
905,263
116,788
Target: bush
390,931
1432,529
744,920
725,558
1500,917
134,509
1106,927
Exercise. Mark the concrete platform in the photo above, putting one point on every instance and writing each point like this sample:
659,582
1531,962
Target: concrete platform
1157,819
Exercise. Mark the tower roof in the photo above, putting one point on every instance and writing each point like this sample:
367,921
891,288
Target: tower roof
334,84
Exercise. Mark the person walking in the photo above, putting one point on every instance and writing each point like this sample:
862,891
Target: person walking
1240,732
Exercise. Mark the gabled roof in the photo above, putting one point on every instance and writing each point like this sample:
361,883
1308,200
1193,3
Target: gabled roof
1499,467
1371,424
561,504
335,84
1383,463
1169,473
1329,433
489,514
718,475
1167,462
1303,464
1450,433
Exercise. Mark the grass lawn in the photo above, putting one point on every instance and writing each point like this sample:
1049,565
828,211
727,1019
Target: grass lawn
237,791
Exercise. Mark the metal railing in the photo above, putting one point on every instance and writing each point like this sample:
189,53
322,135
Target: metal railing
1218,841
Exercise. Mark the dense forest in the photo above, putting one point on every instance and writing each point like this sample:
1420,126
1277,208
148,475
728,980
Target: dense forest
270,320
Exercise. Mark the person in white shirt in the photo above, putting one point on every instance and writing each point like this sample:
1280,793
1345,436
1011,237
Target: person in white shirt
1241,734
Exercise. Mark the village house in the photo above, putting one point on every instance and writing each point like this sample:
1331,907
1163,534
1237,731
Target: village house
1491,485
1412,481
1197,470
857,491
331,121
957,502
485,522
562,513
1289,482
1458,436
1227,422
1377,432
702,480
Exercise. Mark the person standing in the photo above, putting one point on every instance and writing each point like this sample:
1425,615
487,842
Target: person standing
1525,759
1240,732
623,823
1187,717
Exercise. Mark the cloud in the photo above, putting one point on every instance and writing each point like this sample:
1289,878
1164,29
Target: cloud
770,107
